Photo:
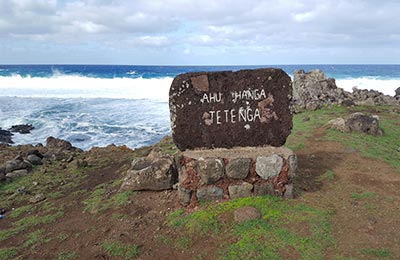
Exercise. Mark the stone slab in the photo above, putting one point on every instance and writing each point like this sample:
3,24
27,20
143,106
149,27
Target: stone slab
227,109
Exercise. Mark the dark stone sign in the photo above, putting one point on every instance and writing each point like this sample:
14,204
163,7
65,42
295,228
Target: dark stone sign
228,109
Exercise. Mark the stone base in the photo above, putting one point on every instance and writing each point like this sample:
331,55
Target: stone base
235,173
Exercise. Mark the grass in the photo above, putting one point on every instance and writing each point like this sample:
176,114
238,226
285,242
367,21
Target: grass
379,253
28,222
48,184
67,256
303,130
98,201
364,195
8,253
329,176
116,248
35,238
258,239
380,147
19,211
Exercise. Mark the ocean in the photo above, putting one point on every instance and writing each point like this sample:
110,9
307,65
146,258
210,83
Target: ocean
98,105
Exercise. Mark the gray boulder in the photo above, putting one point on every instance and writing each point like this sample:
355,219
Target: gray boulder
158,173
37,198
34,159
261,189
359,122
338,124
240,191
269,166
210,193
238,168
210,170
17,164
58,144
184,196
35,152
17,173
289,191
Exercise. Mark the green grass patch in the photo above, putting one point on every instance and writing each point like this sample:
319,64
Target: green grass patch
329,176
98,201
35,238
8,253
303,130
29,222
116,248
379,253
48,183
21,210
67,256
307,230
364,195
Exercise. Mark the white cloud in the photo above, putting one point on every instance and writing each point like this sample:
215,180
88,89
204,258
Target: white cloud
208,26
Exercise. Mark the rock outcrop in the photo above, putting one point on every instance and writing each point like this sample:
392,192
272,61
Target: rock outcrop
312,90
372,98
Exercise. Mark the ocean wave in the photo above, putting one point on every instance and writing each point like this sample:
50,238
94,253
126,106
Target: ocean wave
386,86
76,86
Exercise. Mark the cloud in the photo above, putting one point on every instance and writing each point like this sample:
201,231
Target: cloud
227,27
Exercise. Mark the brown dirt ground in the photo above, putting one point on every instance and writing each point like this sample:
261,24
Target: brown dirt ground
357,223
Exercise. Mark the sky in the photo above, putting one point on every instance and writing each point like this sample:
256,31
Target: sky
199,32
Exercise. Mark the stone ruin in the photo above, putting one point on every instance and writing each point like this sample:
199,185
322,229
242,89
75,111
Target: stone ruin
231,128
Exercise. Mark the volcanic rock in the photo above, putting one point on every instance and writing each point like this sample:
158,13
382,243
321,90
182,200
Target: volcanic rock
5,137
59,144
360,122
34,159
228,109
269,166
238,168
210,170
312,90
210,193
22,129
240,190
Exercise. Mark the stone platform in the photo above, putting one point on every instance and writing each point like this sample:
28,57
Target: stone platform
216,174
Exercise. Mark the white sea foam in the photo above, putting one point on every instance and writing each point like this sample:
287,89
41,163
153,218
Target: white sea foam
75,86
386,86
